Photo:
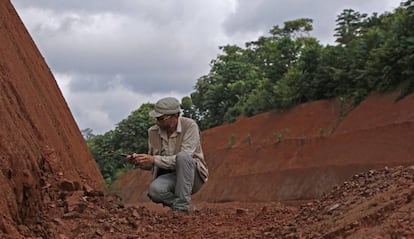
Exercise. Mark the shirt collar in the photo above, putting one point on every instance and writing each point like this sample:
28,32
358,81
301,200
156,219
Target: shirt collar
179,125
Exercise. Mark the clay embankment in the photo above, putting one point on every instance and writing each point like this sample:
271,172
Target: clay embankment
309,160
42,153
298,154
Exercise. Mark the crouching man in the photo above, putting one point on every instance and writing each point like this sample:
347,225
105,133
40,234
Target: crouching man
175,157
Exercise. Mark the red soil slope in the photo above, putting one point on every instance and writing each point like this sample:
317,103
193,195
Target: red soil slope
40,144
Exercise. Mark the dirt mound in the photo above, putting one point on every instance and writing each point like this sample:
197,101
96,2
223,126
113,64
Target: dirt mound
374,204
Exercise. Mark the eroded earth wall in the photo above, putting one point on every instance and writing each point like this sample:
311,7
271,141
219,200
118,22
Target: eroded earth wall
40,143
302,153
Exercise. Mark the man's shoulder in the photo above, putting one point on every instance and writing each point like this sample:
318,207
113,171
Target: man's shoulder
153,128
187,120
187,124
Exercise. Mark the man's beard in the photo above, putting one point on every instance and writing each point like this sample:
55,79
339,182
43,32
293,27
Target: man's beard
165,127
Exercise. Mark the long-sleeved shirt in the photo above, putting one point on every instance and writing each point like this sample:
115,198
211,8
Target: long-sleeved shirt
187,138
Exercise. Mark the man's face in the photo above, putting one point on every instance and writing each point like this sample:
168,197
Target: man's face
165,122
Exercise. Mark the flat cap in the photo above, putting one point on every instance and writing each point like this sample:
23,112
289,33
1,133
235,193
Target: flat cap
165,106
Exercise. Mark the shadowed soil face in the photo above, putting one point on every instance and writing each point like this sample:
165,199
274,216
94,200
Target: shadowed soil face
319,170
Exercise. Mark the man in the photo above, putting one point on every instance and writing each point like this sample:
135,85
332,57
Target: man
175,156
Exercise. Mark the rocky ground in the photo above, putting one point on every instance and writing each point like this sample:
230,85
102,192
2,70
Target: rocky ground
374,204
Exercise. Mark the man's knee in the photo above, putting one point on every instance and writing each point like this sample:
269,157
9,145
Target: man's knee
184,158
154,193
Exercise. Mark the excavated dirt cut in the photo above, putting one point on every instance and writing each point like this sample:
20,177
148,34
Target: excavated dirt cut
319,170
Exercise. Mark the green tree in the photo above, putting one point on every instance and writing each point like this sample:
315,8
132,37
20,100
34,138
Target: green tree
391,63
348,26
102,150
276,55
241,80
129,136
231,77
188,108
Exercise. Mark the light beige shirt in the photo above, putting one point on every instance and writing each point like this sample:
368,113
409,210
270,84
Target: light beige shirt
186,139
189,144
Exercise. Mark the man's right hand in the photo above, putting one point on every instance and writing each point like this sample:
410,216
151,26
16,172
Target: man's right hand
131,158
140,160
135,158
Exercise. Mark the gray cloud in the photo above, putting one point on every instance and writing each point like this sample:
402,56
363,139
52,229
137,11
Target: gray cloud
146,53
109,57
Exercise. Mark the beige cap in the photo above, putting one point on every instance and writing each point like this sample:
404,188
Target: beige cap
165,106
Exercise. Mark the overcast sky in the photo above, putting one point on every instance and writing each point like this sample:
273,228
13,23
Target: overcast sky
109,57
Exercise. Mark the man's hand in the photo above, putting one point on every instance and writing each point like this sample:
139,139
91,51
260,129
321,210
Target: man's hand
145,158
140,159
130,158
